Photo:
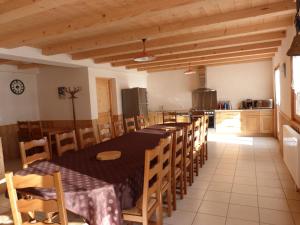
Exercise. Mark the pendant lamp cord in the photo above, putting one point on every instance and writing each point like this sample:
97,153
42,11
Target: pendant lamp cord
297,17
144,45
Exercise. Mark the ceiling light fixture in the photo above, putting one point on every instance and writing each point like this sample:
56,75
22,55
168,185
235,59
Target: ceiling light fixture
295,47
144,56
189,71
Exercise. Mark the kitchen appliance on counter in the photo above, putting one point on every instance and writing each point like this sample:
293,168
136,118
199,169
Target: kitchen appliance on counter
247,104
257,104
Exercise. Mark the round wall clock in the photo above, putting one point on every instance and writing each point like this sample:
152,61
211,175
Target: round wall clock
17,87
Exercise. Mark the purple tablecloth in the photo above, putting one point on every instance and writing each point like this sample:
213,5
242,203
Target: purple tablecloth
99,190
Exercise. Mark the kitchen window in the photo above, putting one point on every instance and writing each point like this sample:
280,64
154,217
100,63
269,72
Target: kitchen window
296,88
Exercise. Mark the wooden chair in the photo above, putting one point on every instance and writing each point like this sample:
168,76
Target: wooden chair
130,125
177,166
169,117
196,144
166,187
205,130
188,157
24,131
66,142
119,128
105,133
19,206
202,141
150,201
141,123
87,137
36,131
26,146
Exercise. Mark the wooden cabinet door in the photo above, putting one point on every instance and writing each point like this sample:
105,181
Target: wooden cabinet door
266,124
252,124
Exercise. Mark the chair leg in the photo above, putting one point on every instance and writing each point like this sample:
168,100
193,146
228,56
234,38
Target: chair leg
174,193
197,164
185,180
169,200
181,185
206,151
191,174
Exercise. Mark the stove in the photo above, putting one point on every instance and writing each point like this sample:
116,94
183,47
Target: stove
211,116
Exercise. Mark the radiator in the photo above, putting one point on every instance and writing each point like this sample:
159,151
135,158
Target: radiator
291,152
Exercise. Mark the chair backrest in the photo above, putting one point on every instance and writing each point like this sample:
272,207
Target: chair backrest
152,180
169,117
197,132
105,133
87,137
130,125
188,149
119,128
177,149
19,206
26,146
36,131
205,129
141,123
66,142
24,131
166,145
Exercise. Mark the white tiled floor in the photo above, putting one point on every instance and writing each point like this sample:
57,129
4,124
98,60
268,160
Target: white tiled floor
244,182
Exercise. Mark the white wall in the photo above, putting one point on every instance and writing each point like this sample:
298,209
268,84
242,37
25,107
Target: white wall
54,108
18,107
122,80
237,82
171,90
285,81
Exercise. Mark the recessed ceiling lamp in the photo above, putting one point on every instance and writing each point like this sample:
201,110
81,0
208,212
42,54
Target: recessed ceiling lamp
295,47
189,71
144,56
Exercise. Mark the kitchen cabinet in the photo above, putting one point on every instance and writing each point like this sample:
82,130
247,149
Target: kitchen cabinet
266,122
257,122
228,121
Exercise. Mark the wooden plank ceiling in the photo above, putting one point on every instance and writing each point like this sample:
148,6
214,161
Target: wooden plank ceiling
179,33
21,64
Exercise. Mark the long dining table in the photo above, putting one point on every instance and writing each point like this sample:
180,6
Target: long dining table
99,190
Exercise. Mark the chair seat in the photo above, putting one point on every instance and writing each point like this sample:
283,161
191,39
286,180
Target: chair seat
137,210
187,161
177,172
164,185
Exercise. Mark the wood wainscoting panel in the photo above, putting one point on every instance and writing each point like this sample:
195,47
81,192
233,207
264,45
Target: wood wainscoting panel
9,135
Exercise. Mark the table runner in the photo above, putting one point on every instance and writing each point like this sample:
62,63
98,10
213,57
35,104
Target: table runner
99,190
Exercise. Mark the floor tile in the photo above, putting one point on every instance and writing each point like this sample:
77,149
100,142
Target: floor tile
241,199
189,204
231,221
213,208
244,189
273,203
244,180
205,219
217,196
294,205
180,218
220,186
270,192
275,217
243,212
196,193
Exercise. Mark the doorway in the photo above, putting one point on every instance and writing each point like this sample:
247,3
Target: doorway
104,100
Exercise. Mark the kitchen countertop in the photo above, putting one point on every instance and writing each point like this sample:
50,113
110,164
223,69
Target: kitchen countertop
239,110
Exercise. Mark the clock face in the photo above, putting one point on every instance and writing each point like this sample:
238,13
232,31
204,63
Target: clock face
17,87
